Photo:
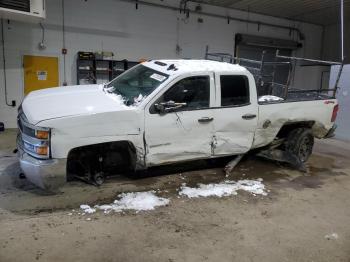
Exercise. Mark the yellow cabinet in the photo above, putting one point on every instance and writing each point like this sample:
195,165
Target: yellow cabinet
39,72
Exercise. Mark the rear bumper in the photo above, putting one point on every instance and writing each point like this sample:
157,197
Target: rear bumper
331,132
48,174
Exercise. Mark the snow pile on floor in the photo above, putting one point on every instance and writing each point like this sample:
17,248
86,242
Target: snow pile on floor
269,98
87,209
332,236
227,188
138,201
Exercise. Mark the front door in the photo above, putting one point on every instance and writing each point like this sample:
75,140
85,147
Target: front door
186,132
236,114
39,72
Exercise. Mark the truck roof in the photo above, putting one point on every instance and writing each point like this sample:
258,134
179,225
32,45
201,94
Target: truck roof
171,67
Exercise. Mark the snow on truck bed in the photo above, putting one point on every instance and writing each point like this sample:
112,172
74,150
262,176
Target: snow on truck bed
269,98
296,95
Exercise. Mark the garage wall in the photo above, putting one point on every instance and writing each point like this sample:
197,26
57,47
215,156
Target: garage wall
343,96
332,43
332,51
116,26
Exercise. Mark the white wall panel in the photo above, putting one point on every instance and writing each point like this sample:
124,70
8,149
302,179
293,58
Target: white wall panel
343,96
148,32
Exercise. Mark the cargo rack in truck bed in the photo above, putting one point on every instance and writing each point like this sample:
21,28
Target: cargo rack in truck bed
264,73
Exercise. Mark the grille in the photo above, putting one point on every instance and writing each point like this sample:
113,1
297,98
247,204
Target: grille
20,5
23,128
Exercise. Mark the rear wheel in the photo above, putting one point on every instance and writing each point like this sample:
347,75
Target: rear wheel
300,143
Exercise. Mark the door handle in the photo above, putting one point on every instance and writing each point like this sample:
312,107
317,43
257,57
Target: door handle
205,119
248,116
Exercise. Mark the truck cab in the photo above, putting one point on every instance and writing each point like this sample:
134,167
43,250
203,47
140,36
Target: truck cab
208,109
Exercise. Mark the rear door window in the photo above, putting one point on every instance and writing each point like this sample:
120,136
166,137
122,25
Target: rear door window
234,90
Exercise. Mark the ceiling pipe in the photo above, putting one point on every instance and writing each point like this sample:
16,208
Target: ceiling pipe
225,17
342,28
13,103
64,44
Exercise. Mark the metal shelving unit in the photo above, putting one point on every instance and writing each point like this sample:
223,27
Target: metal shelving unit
98,71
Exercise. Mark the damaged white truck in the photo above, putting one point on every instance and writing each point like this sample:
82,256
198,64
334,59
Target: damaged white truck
161,112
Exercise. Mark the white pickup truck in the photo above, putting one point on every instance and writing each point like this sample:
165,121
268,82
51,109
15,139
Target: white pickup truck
161,112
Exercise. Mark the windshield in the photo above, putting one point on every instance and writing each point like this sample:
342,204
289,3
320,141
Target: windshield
136,84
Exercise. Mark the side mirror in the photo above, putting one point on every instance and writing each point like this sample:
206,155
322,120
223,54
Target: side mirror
159,108
170,106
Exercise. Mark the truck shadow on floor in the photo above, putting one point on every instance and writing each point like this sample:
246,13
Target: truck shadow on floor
204,171
20,196
10,180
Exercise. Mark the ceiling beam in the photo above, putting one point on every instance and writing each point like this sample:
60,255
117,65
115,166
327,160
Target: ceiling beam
225,17
295,18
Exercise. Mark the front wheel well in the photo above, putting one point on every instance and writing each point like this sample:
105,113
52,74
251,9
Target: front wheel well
108,158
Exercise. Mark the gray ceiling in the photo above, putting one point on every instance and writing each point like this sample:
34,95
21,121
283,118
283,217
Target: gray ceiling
321,12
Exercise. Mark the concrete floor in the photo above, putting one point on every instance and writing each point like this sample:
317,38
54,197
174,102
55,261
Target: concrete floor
289,224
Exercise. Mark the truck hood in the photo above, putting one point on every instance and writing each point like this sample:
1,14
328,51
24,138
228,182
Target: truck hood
66,101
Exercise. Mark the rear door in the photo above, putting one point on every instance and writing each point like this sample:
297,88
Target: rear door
236,114
186,133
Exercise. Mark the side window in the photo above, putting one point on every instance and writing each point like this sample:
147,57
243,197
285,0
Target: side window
194,91
234,90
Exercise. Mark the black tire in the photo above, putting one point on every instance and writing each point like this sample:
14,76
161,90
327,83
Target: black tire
99,178
300,143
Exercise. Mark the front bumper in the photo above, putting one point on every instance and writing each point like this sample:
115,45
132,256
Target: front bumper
48,174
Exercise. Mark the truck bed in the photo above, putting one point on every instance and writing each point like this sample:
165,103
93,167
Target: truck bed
298,95
273,115
306,96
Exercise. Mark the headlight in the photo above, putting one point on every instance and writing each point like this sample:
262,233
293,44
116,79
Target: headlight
42,150
41,134
35,140
39,148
